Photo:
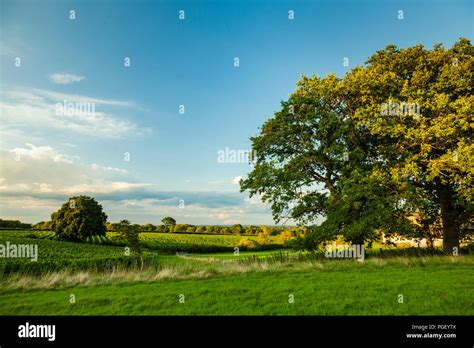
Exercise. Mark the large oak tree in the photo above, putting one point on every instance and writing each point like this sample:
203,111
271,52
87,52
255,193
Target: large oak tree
332,152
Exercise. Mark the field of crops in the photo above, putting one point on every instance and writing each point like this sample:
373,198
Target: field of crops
174,242
56,255
107,252
171,242
168,242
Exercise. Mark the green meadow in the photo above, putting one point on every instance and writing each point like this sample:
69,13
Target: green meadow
269,282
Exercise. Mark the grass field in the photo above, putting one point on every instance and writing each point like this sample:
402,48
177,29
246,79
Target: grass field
429,287
222,283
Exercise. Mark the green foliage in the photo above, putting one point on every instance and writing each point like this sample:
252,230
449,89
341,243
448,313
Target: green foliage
431,286
193,243
43,225
147,228
129,233
79,218
168,221
54,255
237,229
162,229
332,154
286,236
13,224
200,229
249,244
182,228
263,239
212,229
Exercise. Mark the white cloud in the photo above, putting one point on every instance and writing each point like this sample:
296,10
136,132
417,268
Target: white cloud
35,189
111,169
65,79
43,109
220,216
42,152
46,175
59,97
231,222
236,180
42,169
14,134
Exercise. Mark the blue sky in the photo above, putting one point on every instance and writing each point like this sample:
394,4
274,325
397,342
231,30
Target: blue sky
173,168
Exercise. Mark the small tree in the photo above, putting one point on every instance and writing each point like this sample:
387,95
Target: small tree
130,233
168,221
79,218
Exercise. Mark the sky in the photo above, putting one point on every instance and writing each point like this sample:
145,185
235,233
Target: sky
153,94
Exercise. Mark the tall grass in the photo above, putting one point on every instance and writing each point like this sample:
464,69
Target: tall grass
186,269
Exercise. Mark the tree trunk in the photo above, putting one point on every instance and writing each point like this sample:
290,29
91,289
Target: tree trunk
449,219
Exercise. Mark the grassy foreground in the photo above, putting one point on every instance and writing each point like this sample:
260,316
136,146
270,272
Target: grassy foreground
429,285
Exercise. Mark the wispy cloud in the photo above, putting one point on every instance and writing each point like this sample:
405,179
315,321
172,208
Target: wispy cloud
64,78
6,50
33,173
11,44
59,175
60,97
41,152
47,109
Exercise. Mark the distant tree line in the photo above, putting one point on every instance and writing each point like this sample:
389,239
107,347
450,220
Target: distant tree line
8,224
236,229
169,225
43,226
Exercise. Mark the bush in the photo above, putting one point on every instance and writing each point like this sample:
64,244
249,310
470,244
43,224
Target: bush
263,238
286,236
249,244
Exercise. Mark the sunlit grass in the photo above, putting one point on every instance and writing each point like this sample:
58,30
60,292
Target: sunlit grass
430,286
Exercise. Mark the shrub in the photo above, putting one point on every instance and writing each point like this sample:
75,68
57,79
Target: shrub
286,236
248,244
263,238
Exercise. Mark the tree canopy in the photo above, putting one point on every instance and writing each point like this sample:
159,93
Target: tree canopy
79,218
168,221
387,142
